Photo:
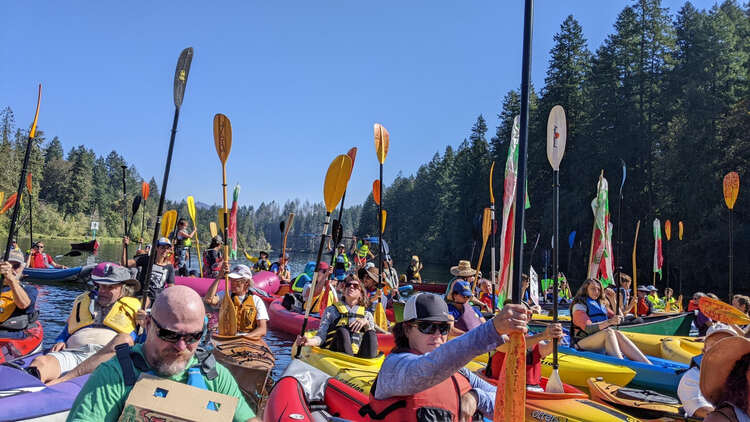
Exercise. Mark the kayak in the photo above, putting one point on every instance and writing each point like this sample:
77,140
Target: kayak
663,375
643,404
281,319
356,372
250,362
264,280
15,348
669,325
677,348
90,246
51,274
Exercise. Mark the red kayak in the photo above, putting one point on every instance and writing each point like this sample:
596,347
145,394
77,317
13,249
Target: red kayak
281,319
14,348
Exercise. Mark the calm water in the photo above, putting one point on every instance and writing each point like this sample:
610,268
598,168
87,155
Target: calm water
55,299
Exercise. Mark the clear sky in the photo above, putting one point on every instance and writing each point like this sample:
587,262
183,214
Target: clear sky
301,81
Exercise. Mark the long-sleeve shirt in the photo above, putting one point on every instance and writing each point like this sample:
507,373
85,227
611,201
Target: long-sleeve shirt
329,316
430,369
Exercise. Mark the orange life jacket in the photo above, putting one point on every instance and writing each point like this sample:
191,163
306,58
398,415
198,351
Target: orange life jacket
533,365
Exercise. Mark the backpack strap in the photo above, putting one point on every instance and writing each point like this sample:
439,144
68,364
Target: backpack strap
122,352
207,363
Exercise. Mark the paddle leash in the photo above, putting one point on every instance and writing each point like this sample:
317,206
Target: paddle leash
731,190
180,81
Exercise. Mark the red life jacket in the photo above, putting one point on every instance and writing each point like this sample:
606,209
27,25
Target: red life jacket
642,306
692,305
533,365
441,402
39,260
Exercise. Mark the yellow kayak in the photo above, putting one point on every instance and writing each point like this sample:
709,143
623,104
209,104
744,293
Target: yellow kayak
676,348
358,373
548,318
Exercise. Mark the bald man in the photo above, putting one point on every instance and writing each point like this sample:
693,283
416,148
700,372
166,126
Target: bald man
170,351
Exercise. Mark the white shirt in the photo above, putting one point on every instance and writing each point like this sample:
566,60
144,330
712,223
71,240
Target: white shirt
689,392
260,307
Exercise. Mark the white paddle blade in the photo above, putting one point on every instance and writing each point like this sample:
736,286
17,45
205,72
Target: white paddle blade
557,132
554,383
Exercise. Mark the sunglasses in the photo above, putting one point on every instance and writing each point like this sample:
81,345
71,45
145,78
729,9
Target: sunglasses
429,328
347,285
173,337
15,265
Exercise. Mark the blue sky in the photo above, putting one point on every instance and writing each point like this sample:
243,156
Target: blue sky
300,81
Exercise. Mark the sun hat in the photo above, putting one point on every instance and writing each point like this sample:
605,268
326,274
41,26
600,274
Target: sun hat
426,307
241,271
341,245
643,289
463,288
652,288
718,327
110,273
717,365
414,258
373,273
463,269
16,256
369,265
163,241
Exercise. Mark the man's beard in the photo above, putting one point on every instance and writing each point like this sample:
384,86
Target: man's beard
171,365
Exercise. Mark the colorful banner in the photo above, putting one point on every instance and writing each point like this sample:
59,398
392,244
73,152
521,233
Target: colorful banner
600,259
509,208
658,257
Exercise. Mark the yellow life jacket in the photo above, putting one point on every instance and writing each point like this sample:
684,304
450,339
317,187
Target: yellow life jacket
316,300
7,305
363,250
246,313
345,317
120,318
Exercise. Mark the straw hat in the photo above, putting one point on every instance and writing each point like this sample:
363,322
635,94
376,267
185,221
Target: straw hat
463,269
718,363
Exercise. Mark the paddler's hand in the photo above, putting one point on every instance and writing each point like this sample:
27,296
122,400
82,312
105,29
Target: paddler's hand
6,269
224,269
553,331
358,325
58,346
125,240
511,319
615,320
140,317
468,406
301,341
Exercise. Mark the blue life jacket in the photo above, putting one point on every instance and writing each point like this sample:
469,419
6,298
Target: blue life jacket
596,312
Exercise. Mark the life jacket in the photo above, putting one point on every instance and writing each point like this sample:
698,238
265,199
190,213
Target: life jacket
655,301
344,318
211,263
40,260
669,304
342,263
441,402
120,318
246,313
262,265
317,302
643,308
299,284
7,305
692,305
596,313
468,319
363,250
533,366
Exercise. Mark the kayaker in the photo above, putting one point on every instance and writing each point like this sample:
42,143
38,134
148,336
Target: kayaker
324,273
174,329
645,307
183,241
466,317
95,319
369,278
262,263
413,271
693,304
593,322
347,326
425,373
653,297
39,259
485,294
213,257
725,371
670,303
282,270
390,275
17,300
14,245
538,346
341,252
252,316
361,251
742,303
304,278
162,271
340,266
688,390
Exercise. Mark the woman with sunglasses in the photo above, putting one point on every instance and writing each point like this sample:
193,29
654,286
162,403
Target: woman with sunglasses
425,372
16,300
346,326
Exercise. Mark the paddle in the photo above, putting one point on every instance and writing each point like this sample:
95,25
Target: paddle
180,81
31,221
486,227
618,264
212,229
376,191
286,229
722,312
24,169
223,143
352,153
9,203
382,143
191,211
731,190
635,270
169,219
680,228
668,234
492,244
145,190
134,208
337,177
557,132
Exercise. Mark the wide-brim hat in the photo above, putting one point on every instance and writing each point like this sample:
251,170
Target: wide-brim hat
374,273
110,273
718,363
643,289
652,288
463,269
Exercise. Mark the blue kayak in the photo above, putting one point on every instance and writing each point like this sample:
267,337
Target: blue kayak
51,274
663,376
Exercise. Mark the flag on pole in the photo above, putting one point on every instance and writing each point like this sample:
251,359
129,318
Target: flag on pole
232,230
658,257
509,208
600,259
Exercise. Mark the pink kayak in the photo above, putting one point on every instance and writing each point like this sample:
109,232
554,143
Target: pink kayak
264,280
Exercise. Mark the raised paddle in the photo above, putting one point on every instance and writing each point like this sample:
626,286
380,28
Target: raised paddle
337,177
382,142
24,169
635,269
31,221
223,143
492,244
722,312
168,221
212,229
557,133
352,153
180,81
145,190
668,234
680,231
191,211
731,190
486,227
618,263
287,227
134,208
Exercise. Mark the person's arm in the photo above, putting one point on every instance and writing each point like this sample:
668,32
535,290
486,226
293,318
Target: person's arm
329,314
211,298
92,362
582,321
170,276
485,393
20,297
689,393
102,398
260,329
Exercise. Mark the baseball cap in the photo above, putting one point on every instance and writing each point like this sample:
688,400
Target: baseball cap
241,271
463,288
111,273
163,241
16,256
651,288
426,307
643,289
369,265
323,266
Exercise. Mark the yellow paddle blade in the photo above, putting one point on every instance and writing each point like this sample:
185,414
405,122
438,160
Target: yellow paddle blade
723,312
382,139
289,222
668,229
212,229
191,208
227,314
510,399
222,136
376,191
220,215
352,153
32,132
680,229
486,224
168,221
731,188
380,319
492,193
2,197
383,217
337,178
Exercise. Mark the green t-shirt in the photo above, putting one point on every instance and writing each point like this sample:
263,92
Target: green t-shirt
103,396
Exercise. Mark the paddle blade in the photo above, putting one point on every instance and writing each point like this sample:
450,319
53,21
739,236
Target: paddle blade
337,178
571,239
352,153
222,136
28,182
380,318
2,197
220,215
181,75
680,229
289,222
486,224
510,399
556,136
212,229
723,312
227,314
383,218
554,383
382,140
9,203
32,132
376,191
492,192
731,188
136,204
191,208
145,190
668,229
168,221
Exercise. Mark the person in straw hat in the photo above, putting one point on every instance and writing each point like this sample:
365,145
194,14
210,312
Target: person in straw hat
725,371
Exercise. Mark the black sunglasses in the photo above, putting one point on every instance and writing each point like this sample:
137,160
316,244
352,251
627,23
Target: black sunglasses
173,337
15,265
347,285
429,327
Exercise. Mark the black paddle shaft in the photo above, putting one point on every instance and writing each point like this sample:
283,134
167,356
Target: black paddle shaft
315,277
17,206
124,206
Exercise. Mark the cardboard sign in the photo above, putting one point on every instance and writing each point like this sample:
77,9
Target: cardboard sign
533,286
158,399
